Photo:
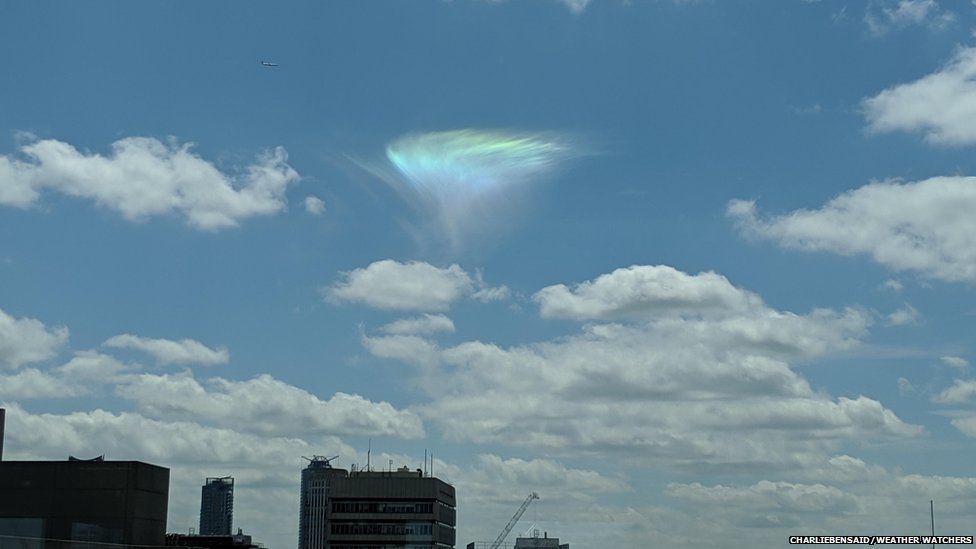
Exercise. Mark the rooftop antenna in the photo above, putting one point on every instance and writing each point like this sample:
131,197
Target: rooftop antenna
932,516
368,450
320,459
425,461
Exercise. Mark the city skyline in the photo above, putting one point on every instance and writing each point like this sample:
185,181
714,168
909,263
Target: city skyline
698,273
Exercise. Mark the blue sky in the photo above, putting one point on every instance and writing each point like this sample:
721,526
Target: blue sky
736,282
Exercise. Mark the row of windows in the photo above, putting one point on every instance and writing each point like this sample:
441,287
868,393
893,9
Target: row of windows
382,529
334,546
381,507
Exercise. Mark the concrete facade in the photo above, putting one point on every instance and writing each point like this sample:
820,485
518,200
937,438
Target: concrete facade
87,501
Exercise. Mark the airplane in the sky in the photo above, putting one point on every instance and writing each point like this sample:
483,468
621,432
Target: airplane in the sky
268,64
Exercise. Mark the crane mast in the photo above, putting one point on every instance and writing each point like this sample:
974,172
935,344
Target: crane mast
511,524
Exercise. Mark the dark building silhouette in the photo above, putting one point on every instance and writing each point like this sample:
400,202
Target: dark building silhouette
240,540
368,509
536,542
101,501
217,507
77,503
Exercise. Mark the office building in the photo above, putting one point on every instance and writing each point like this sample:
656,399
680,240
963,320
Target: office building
217,507
77,503
121,502
369,509
313,521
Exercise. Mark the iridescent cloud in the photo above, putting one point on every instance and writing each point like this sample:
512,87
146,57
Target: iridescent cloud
468,182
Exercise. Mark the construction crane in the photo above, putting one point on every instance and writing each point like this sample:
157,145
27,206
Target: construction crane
511,524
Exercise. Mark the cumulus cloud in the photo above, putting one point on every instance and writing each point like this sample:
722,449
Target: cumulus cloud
767,495
314,205
144,177
961,391
644,290
93,366
421,325
941,105
30,383
574,6
903,316
954,361
874,499
905,387
925,227
167,351
27,340
410,286
966,425
681,380
265,406
893,285
885,16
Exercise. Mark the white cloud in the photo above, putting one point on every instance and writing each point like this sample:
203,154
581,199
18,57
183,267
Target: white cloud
961,391
166,351
883,17
31,383
143,177
925,227
679,386
905,387
411,286
954,361
266,406
966,425
766,495
26,341
941,105
904,316
893,285
643,291
873,498
314,205
574,6
421,325
488,294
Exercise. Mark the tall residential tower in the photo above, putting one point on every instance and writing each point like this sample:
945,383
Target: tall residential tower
217,507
